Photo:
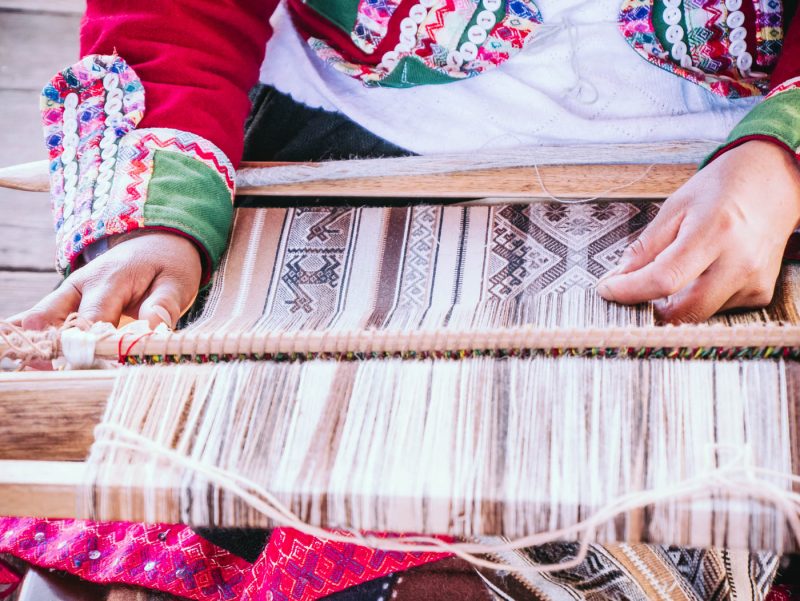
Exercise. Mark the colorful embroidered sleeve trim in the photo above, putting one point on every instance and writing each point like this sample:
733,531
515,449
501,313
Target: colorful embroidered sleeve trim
707,42
108,178
776,119
402,44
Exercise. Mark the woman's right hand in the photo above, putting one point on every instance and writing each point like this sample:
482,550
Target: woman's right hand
149,275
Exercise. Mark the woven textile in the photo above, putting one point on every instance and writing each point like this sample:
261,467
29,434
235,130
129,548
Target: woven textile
427,267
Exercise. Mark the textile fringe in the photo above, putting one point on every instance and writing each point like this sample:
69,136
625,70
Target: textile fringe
697,454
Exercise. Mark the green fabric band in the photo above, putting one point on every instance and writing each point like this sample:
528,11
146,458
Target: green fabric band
341,13
411,71
777,117
186,195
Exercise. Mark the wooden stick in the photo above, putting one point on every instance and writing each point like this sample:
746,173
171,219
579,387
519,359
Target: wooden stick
42,489
562,181
194,344
51,415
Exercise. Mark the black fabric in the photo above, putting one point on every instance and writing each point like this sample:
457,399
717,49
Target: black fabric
280,129
247,543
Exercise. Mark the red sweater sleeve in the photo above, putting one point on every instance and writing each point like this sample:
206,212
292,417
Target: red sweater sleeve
197,59
788,66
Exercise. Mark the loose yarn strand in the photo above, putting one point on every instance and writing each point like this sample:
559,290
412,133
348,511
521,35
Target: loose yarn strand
601,195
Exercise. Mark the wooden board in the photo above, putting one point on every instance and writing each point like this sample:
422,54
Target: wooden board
34,47
51,415
21,290
27,238
45,6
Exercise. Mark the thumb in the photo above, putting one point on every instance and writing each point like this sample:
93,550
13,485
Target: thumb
164,304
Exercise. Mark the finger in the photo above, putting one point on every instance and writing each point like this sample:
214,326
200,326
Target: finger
102,302
165,304
53,309
685,259
754,298
655,238
703,297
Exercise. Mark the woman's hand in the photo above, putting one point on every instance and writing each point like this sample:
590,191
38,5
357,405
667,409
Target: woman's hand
717,243
150,275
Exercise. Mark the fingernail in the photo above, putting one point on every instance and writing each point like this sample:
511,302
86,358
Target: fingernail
609,274
604,291
163,314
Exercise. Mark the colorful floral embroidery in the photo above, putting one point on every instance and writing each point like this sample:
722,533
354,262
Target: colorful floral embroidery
454,40
100,165
372,23
708,36
769,31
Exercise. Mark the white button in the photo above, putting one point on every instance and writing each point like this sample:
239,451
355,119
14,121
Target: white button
108,152
486,19
735,19
108,138
409,26
671,3
408,38
454,59
740,33
674,33
389,60
476,34
733,4
111,80
744,61
492,5
469,51
68,154
427,3
686,61
672,15
71,101
738,48
402,48
418,13
679,50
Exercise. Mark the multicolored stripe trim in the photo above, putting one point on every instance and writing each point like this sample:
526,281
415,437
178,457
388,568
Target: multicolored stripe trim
109,178
777,120
712,353
708,32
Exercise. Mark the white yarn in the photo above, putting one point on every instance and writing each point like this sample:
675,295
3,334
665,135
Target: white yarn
566,466
738,479
78,348
534,156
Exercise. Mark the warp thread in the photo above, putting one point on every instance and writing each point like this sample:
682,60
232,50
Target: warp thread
738,478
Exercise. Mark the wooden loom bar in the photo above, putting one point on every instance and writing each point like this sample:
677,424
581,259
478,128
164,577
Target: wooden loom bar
568,181
198,344
30,428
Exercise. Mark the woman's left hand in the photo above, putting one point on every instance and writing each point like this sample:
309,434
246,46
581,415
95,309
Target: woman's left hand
717,243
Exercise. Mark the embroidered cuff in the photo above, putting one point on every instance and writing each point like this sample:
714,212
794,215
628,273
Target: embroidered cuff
777,119
109,178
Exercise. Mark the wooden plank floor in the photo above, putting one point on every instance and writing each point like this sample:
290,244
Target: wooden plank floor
37,39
